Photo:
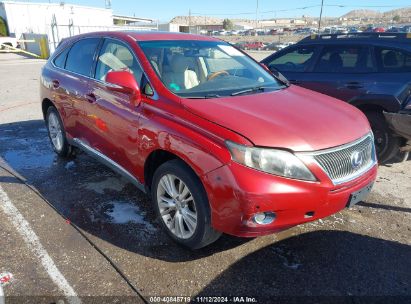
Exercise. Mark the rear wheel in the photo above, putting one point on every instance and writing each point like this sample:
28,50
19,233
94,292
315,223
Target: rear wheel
387,144
182,205
57,134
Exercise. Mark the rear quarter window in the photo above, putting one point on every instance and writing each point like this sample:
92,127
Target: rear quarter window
393,60
60,59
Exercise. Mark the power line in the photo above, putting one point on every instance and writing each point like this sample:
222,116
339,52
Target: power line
299,8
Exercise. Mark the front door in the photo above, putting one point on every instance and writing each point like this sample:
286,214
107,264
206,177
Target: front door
114,118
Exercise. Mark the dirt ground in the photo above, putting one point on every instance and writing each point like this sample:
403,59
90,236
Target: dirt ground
116,252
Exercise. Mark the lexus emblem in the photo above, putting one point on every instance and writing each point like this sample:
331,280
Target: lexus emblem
356,160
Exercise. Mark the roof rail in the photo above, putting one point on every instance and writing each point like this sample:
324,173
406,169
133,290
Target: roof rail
397,36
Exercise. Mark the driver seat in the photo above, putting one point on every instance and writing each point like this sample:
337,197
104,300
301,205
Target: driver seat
179,76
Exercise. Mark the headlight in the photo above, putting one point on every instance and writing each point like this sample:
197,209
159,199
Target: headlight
272,161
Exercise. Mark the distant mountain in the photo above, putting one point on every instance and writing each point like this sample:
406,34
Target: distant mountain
365,13
362,13
402,12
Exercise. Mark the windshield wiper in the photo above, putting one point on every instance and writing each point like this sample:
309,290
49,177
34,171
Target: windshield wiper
250,90
204,97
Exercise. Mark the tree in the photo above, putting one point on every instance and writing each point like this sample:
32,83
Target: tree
3,27
228,24
396,18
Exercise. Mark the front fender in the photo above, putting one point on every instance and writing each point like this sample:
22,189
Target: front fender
387,102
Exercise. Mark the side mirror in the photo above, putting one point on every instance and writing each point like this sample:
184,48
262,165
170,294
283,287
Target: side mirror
124,82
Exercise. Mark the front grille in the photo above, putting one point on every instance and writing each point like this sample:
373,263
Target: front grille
343,163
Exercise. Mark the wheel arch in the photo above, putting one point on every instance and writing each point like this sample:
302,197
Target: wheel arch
376,102
45,105
158,157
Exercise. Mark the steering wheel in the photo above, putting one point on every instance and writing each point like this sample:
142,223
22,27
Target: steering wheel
217,74
291,64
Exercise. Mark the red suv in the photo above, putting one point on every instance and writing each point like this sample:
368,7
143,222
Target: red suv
220,144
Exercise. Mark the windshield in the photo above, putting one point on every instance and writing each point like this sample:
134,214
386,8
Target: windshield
207,69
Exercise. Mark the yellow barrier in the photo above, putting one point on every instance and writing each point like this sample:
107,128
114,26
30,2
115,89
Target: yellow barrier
44,53
42,42
16,50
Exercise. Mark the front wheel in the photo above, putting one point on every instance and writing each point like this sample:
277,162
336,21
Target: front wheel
387,144
182,206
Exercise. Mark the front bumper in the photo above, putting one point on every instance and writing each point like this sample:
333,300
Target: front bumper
236,193
400,123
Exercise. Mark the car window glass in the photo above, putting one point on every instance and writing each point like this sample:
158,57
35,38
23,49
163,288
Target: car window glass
60,60
200,69
80,57
344,59
295,60
221,61
114,56
393,61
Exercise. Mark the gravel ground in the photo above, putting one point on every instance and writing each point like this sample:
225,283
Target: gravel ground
363,251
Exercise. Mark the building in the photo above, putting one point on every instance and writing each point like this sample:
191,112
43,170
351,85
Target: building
30,17
61,20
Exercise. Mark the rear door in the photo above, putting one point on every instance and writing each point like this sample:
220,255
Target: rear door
78,67
294,62
342,71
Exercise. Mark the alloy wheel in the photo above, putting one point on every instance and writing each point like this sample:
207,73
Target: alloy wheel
55,131
177,206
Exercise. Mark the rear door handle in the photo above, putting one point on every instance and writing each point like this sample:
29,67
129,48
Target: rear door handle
353,85
293,81
56,84
91,98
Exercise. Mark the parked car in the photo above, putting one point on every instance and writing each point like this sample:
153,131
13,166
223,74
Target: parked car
253,45
8,41
379,30
220,143
369,71
274,46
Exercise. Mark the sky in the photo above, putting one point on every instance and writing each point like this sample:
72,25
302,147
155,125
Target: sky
165,10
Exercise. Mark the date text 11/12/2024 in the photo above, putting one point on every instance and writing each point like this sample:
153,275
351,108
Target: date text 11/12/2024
203,299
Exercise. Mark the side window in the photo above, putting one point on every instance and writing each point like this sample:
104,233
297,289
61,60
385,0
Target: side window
60,60
114,56
295,60
393,61
80,56
344,59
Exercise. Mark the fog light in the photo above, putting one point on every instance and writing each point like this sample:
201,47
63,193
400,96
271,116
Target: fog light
264,218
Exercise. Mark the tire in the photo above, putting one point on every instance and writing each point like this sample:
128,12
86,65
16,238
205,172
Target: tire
387,144
188,234
57,134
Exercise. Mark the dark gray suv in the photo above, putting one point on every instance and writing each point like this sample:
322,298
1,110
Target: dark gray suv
371,71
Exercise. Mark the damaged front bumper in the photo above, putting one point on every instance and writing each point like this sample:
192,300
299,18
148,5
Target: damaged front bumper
401,124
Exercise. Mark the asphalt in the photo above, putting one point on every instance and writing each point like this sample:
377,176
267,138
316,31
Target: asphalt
103,236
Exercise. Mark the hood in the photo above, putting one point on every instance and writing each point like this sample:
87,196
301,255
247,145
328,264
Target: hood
292,118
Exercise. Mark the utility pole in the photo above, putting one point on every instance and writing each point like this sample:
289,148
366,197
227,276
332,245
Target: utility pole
256,16
189,21
321,14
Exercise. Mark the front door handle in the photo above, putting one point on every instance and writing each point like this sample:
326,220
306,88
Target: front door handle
293,81
91,98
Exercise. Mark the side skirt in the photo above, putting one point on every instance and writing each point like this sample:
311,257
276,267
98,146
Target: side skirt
107,161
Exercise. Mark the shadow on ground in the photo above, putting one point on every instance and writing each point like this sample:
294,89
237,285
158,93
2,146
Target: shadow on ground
320,263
